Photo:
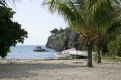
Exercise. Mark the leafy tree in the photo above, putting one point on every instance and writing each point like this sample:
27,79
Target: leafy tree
10,32
112,38
91,18
114,45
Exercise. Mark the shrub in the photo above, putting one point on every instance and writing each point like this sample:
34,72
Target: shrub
114,47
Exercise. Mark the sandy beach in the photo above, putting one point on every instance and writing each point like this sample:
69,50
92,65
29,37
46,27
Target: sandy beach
58,70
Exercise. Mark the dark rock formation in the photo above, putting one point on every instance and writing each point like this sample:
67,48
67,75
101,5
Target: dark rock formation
65,39
73,40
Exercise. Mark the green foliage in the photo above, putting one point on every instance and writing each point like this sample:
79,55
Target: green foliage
98,15
95,57
10,32
112,34
92,18
114,47
85,13
112,58
57,31
54,31
61,30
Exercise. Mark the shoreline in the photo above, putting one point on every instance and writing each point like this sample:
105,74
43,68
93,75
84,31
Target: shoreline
52,59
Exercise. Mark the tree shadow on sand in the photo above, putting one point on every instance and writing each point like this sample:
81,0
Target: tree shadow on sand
26,70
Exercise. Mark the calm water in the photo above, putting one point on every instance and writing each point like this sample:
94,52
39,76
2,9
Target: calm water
26,52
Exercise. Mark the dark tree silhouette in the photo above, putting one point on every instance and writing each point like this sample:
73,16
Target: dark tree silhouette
10,32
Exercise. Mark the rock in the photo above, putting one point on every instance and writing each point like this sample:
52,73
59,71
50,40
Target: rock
64,40
57,42
73,40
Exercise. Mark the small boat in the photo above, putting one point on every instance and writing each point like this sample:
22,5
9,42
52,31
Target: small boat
39,49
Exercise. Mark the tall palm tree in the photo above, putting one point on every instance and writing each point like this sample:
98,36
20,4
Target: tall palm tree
91,18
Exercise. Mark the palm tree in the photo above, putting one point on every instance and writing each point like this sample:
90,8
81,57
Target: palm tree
91,18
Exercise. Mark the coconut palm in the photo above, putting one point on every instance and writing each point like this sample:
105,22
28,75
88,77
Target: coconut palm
91,18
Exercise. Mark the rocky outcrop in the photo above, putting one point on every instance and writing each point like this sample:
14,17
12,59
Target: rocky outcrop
73,40
65,39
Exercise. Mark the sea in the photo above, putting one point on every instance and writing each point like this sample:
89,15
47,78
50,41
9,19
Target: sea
26,52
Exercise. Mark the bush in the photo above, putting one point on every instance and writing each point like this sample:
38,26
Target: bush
114,47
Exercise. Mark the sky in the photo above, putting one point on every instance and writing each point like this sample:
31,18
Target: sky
37,20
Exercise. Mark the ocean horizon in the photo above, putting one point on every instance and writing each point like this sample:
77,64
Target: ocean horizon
27,52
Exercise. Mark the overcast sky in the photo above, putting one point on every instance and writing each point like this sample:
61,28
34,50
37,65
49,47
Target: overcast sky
37,20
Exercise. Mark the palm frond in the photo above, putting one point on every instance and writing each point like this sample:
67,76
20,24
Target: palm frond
100,14
5,2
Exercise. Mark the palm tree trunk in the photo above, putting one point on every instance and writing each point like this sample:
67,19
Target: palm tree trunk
89,63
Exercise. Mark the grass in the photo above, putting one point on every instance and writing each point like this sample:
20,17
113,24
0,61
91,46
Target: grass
112,58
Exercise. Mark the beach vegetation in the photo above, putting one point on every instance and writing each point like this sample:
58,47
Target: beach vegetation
91,18
11,32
